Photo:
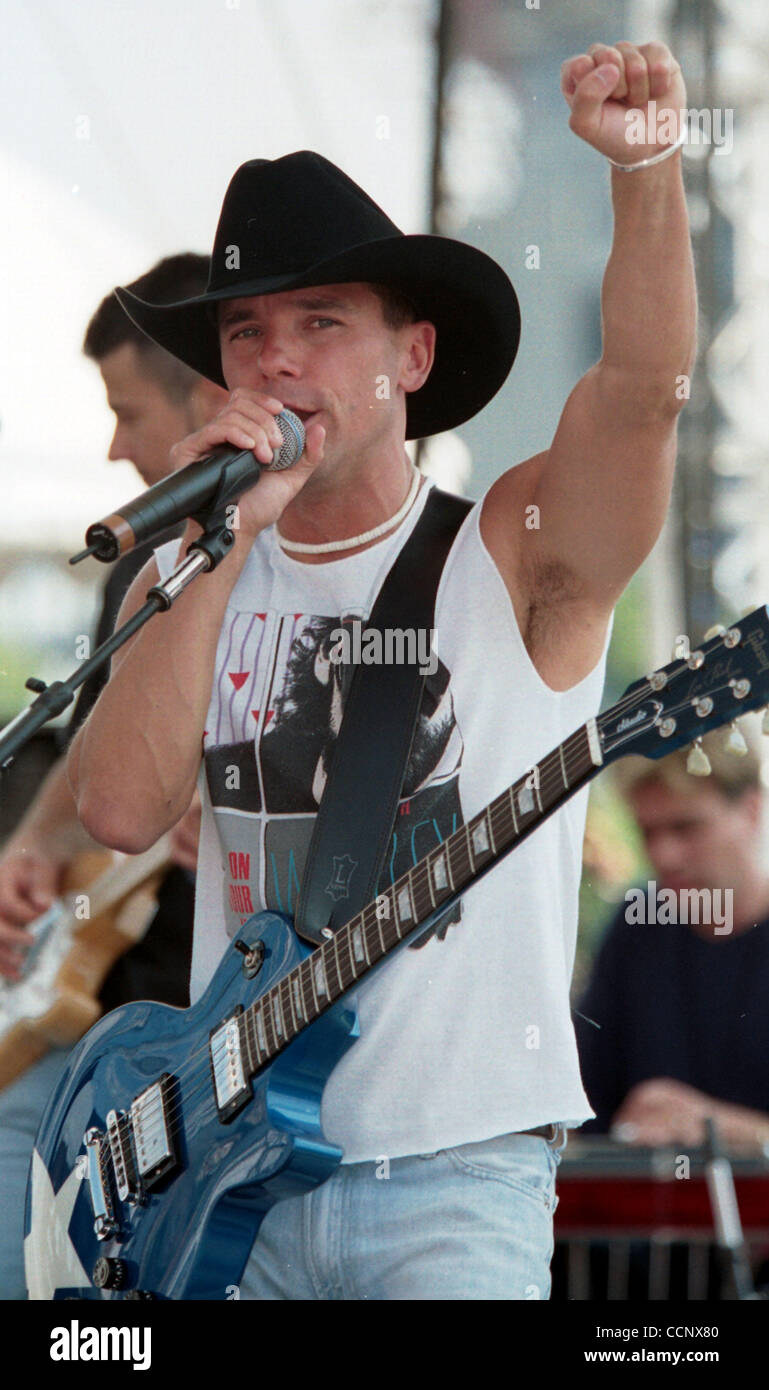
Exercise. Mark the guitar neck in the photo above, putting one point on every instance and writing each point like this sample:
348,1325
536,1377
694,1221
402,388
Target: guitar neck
432,885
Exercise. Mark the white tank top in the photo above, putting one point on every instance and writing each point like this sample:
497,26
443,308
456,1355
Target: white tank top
469,1035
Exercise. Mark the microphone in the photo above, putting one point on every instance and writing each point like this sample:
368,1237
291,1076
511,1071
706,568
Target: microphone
188,492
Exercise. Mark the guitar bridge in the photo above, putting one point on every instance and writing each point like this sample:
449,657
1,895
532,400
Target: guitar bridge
104,1223
153,1132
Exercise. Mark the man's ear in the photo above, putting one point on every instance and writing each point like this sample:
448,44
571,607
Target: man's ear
204,400
420,356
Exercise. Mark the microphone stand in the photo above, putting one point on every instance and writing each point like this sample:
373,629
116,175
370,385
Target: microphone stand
732,1249
203,555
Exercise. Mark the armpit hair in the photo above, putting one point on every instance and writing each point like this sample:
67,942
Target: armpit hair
551,586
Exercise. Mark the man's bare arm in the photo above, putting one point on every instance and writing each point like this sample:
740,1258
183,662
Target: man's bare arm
603,487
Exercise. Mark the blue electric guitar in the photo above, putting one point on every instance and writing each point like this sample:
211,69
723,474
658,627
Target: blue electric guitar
173,1131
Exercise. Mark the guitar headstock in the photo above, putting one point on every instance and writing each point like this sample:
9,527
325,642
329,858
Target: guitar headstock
702,690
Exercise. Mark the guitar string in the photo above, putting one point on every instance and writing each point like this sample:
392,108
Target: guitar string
566,748
345,984
371,928
192,1096
409,880
282,985
370,931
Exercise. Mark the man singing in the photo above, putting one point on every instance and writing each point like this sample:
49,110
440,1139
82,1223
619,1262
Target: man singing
452,1106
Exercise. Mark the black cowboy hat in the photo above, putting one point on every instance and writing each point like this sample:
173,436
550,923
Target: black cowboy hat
299,221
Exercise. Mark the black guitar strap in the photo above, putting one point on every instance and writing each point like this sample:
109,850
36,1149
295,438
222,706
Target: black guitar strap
358,807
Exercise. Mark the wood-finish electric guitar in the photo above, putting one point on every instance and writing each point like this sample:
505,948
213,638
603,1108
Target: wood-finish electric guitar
106,904
173,1131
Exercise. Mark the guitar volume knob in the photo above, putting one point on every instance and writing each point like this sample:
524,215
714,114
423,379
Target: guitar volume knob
109,1273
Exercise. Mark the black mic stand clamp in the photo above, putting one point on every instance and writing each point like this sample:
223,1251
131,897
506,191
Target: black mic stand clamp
202,556
215,518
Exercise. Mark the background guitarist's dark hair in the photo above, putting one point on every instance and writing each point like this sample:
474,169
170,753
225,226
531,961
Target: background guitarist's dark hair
175,277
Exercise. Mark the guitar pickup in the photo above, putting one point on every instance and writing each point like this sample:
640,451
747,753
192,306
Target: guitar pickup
129,1188
152,1131
231,1084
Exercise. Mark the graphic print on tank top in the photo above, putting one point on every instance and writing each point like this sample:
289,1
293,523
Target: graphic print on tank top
272,723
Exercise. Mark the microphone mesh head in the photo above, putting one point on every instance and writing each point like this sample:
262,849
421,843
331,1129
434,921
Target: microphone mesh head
292,447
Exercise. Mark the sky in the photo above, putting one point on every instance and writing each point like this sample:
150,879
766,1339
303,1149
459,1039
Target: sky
122,122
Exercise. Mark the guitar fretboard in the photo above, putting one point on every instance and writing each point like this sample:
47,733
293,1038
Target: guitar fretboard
434,883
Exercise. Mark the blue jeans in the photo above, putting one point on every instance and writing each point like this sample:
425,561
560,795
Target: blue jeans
473,1222
21,1109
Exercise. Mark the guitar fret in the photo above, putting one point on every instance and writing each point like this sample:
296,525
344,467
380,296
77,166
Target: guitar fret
470,856
459,859
297,999
383,920
391,922
359,945
339,977
278,1020
343,941
344,958
439,874
404,904
260,1041
288,1015
480,840
429,878
379,927
421,892
311,1005
329,967
319,976
370,939
253,1046
563,768
525,795
391,934
245,1042
261,1031
272,1042
503,835
511,797
446,860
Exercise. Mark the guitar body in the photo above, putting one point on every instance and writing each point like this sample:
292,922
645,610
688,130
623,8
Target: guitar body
191,1235
56,1001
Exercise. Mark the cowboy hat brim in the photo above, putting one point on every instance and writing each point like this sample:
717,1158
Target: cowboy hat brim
460,289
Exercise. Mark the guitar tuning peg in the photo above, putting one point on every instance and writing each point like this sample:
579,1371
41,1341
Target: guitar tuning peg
698,762
734,742
681,648
717,630
765,721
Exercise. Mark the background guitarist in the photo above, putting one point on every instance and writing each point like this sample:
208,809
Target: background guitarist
155,398
450,1108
